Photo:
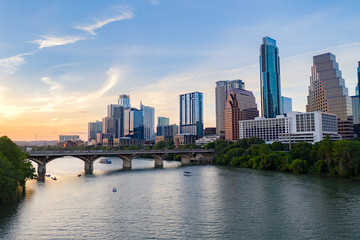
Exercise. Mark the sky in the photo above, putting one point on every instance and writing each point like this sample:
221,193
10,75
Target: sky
62,62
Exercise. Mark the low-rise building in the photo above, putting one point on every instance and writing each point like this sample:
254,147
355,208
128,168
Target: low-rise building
296,127
207,139
184,139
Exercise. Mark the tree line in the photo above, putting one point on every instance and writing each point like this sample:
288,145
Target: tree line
340,158
14,169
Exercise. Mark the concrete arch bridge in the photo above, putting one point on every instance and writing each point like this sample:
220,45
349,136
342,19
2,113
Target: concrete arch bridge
188,156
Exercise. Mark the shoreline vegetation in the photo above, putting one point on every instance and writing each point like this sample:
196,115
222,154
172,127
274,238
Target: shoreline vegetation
339,158
14,170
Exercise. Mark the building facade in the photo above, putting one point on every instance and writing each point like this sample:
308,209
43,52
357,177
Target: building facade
191,113
240,105
93,129
110,126
124,100
297,127
64,138
221,90
133,123
163,121
286,104
148,121
327,93
117,112
270,86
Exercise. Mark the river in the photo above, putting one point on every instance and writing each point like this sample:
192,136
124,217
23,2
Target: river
213,203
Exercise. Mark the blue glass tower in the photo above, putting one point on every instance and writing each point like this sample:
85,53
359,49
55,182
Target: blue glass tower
191,114
270,79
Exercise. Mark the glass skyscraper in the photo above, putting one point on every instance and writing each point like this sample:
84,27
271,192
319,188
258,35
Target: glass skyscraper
124,100
148,114
191,114
327,93
221,92
117,112
93,129
286,104
270,79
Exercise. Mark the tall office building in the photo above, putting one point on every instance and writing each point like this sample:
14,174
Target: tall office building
356,105
286,104
93,129
270,79
163,121
327,93
240,105
133,123
221,90
124,100
110,126
117,112
191,114
148,114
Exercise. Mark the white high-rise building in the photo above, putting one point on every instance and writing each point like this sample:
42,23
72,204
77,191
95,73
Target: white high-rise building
124,100
297,127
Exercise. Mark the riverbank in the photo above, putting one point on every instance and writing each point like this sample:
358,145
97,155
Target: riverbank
340,158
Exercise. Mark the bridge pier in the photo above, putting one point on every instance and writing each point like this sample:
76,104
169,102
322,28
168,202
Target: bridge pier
185,159
127,164
41,170
89,167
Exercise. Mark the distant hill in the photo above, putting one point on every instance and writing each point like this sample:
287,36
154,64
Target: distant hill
38,143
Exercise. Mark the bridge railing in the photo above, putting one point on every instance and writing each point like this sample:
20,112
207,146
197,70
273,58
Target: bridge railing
121,151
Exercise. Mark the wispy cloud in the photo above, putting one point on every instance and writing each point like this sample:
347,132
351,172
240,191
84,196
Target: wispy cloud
53,85
52,41
126,13
10,64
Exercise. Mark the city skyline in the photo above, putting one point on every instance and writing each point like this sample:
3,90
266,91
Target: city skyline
64,64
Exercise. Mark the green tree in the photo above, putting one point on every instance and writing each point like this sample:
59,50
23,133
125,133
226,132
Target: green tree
14,168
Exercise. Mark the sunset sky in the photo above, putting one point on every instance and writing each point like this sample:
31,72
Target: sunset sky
62,62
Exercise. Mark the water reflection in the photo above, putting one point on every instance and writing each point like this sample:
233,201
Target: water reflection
214,203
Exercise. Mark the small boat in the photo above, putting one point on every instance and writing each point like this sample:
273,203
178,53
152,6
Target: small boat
105,161
47,175
114,189
54,178
187,173
79,175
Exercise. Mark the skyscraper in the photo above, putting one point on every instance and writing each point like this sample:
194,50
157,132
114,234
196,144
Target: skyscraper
163,121
124,100
286,104
221,90
356,105
133,123
240,105
191,113
117,112
327,93
93,129
148,114
270,87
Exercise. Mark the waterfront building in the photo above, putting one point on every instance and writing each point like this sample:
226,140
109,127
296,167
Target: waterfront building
191,113
124,100
240,105
166,139
207,139
286,104
168,131
221,90
327,93
148,115
117,112
184,139
93,129
270,86
133,123
64,138
296,127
